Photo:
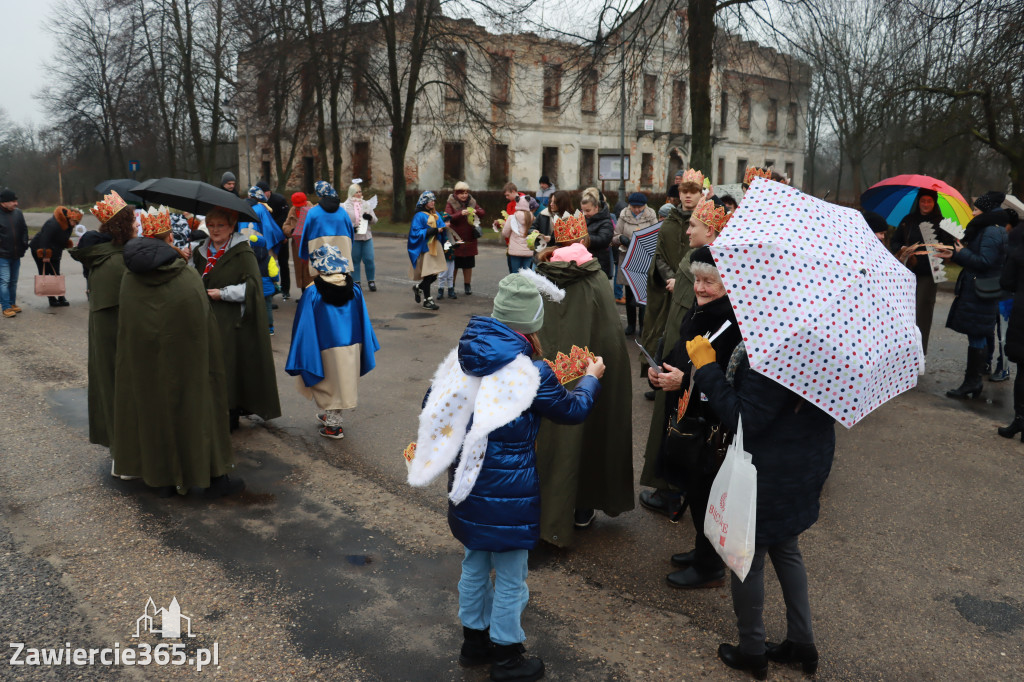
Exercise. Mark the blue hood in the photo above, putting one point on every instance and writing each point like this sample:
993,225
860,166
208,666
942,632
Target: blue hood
488,345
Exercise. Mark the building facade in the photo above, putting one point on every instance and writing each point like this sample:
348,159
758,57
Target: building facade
540,110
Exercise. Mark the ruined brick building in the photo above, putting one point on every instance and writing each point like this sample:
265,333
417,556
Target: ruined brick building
515,107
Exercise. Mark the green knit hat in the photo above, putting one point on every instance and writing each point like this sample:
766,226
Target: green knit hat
519,304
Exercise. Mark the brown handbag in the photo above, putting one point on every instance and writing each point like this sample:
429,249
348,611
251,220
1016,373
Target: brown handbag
49,285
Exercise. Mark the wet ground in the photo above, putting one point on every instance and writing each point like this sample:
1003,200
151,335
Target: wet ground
331,567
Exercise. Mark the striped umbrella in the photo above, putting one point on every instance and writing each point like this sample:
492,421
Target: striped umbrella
894,198
639,257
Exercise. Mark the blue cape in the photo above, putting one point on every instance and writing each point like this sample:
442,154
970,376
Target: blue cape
417,243
266,226
319,326
320,223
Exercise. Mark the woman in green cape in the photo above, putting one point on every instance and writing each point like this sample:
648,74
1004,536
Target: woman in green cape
231,275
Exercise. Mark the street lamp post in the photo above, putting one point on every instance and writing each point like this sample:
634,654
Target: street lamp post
622,123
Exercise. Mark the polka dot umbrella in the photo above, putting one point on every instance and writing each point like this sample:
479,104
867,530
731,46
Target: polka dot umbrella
824,308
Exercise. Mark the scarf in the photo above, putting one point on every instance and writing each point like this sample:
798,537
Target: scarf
212,258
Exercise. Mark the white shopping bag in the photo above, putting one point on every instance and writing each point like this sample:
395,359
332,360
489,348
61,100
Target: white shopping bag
732,508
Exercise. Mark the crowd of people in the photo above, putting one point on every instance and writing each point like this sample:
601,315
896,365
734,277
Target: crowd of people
525,414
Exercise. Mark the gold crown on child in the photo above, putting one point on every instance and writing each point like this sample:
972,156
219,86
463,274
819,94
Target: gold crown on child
571,367
713,216
755,172
569,228
106,209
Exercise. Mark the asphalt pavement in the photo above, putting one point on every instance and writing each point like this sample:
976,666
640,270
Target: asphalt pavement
331,567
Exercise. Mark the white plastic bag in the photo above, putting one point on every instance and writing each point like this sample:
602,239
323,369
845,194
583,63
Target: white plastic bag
732,508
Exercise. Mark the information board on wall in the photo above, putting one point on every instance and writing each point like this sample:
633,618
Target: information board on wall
609,167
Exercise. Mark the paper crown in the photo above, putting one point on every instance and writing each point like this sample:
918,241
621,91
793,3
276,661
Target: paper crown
755,172
569,228
155,222
713,216
571,367
409,453
693,176
106,209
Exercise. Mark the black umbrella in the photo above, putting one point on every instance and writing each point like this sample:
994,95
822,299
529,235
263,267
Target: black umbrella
123,187
192,196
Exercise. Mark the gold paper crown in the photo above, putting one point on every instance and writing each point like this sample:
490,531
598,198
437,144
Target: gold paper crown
755,172
693,176
569,228
155,222
108,208
572,366
713,216
409,453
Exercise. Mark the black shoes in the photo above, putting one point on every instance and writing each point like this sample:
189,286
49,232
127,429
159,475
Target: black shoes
630,330
1014,427
477,647
468,289
685,559
429,304
511,665
661,501
789,653
649,395
372,285
757,666
693,579
582,518
451,293
222,486
417,292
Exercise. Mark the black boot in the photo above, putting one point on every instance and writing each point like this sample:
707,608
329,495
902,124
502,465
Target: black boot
511,665
1014,427
477,647
63,302
469,289
972,385
789,653
757,666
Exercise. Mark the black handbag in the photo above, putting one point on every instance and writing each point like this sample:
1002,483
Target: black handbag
987,288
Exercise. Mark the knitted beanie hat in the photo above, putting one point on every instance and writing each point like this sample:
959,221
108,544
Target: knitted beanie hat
989,201
519,304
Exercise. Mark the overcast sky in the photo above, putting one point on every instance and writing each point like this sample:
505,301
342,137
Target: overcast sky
23,51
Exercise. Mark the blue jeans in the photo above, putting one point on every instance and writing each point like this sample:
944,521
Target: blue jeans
517,263
497,606
619,289
9,269
362,252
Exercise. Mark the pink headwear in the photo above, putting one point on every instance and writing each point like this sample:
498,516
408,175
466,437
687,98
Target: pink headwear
523,204
574,252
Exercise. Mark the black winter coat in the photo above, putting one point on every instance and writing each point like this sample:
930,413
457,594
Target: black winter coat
1012,281
601,230
791,442
51,236
14,234
981,258
909,232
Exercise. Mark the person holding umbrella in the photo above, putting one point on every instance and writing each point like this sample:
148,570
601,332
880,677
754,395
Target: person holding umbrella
907,240
234,285
980,254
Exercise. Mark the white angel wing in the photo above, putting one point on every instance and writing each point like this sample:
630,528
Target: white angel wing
371,203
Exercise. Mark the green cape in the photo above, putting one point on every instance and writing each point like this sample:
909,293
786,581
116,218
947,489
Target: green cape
589,465
683,299
244,337
171,413
673,244
105,263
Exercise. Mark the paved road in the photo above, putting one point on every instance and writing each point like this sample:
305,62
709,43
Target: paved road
331,567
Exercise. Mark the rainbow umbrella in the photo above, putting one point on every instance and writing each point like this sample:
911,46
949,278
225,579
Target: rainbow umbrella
894,198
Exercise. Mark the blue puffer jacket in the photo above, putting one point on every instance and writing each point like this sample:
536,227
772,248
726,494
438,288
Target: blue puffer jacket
503,511
982,257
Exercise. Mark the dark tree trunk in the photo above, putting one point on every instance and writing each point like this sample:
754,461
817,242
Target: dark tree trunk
700,39
399,144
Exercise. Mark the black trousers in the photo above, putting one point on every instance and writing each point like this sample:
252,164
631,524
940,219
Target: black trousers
698,490
425,284
282,262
